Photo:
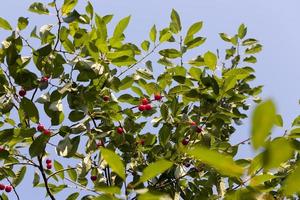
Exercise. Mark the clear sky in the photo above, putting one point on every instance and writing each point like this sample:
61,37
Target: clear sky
275,23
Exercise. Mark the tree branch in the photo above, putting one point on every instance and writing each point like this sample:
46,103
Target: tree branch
45,178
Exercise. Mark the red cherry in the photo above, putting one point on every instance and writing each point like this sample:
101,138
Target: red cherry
44,79
49,166
8,188
192,123
106,98
157,97
47,132
22,92
1,149
2,186
145,101
148,107
40,128
142,107
48,161
199,129
142,142
120,130
93,178
100,144
185,141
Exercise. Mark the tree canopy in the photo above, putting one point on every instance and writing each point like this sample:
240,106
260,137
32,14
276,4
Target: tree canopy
99,117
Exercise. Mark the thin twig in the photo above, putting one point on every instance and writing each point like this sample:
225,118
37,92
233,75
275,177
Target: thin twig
133,65
62,170
82,187
45,178
10,183
59,24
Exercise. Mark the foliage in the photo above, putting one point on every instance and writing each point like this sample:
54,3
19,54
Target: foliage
143,121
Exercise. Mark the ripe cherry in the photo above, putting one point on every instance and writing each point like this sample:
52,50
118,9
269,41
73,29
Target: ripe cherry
8,188
93,178
142,107
48,161
40,128
47,132
2,186
100,144
145,101
22,92
106,98
142,142
1,149
49,166
120,130
148,107
44,79
185,141
199,129
192,123
157,97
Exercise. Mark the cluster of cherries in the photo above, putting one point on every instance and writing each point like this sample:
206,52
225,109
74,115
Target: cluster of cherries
93,177
199,129
48,163
23,92
7,188
145,104
42,129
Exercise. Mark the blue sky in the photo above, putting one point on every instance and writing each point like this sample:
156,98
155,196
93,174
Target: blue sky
275,23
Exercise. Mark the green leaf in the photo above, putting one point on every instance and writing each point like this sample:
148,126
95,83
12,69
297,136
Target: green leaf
38,8
296,121
242,31
126,83
76,115
176,24
154,196
257,180
227,166
36,179
170,53
196,27
114,161
73,196
145,45
210,60
154,169
277,152
196,42
254,49
68,6
292,182
123,61
262,122
4,24
225,37
278,121
38,145
250,59
164,35
19,176
30,109
164,134
121,26
153,33
58,167
64,147
22,23
72,174
109,190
